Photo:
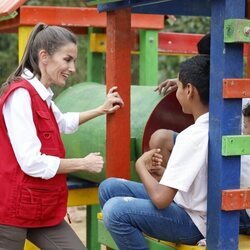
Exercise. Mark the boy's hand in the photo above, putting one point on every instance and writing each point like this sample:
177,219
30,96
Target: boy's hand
167,87
150,160
157,172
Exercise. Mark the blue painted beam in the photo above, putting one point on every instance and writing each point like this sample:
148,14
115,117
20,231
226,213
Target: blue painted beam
127,3
225,119
174,7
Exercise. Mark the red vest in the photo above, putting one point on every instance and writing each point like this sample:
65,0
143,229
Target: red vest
26,201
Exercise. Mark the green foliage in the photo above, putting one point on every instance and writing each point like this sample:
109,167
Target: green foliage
71,3
8,55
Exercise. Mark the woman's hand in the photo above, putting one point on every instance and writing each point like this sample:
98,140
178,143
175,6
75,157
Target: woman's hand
113,101
167,87
93,163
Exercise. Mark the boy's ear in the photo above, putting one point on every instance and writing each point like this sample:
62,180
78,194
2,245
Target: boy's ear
190,90
43,56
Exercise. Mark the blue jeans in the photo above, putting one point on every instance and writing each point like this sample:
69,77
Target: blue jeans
244,223
128,213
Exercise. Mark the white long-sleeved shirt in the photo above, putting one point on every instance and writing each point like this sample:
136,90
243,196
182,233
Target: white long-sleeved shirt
18,118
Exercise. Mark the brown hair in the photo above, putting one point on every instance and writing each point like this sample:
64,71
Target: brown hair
246,110
49,38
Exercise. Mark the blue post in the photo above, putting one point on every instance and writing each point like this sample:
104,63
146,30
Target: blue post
225,119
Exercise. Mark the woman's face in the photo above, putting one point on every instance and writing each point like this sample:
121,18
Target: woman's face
58,67
246,125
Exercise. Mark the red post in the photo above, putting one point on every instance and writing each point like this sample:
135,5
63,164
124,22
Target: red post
118,64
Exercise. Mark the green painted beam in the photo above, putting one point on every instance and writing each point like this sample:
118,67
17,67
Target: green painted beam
105,239
95,61
235,145
92,227
148,57
104,236
237,30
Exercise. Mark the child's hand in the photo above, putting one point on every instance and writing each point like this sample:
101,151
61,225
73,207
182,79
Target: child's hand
167,87
150,159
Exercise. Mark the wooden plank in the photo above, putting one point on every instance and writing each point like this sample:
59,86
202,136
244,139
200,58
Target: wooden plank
23,35
236,88
83,196
233,145
118,64
174,7
237,30
81,17
65,16
178,43
168,42
105,238
95,61
92,227
224,119
30,246
148,64
235,199
10,25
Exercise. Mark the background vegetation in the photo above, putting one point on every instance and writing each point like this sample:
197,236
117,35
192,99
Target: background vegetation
168,65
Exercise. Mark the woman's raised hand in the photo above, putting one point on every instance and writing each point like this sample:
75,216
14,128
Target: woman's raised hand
113,101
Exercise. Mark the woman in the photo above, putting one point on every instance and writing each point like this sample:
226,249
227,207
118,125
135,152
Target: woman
33,167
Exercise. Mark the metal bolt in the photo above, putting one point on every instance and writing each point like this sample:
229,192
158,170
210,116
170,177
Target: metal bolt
247,31
151,39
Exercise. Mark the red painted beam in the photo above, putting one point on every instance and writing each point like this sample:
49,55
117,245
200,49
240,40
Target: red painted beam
82,17
178,43
236,88
118,65
235,199
10,25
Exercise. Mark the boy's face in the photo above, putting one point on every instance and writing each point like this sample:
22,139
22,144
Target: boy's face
246,125
182,97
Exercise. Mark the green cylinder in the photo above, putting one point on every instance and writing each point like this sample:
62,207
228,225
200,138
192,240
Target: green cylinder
91,136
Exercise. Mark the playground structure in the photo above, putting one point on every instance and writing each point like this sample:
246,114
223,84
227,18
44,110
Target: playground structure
228,31
222,225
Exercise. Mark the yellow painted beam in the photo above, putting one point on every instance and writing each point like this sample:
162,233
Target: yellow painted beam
23,35
29,246
83,196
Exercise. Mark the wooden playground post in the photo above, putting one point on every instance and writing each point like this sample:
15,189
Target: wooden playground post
223,172
118,63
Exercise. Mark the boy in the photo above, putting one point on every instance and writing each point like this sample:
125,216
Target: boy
173,209
245,172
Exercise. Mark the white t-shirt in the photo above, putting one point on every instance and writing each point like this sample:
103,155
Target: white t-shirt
245,174
18,118
187,171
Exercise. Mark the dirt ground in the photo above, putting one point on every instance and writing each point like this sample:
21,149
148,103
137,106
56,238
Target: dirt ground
78,221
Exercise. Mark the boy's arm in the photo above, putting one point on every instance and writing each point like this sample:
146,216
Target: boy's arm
160,195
